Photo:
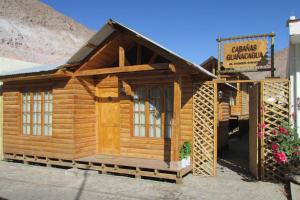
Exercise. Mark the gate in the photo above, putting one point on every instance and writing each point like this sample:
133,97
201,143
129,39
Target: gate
205,128
275,107
269,104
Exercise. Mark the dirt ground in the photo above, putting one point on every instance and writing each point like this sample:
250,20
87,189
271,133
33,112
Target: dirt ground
20,181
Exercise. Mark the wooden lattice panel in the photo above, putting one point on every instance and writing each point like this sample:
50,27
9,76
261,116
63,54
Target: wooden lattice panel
204,129
275,107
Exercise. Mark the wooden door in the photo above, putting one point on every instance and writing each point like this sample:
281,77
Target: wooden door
109,121
254,102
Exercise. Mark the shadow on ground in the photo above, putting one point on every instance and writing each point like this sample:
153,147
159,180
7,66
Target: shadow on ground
236,158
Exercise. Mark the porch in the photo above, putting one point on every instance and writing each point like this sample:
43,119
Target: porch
119,165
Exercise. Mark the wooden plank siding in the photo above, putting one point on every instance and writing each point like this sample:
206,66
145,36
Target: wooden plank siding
241,107
245,99
186,124
61,143
223,119
75,118
130,146
84,117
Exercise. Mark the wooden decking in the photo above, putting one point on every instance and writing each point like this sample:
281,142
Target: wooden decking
134,167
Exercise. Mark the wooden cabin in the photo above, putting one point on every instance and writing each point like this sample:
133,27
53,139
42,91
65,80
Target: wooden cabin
120,99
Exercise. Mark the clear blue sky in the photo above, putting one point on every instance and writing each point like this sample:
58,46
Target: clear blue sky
187,27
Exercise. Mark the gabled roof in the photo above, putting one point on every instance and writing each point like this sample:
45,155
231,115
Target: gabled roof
111,27
100,37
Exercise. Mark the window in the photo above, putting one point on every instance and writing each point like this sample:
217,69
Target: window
37,113
153,112
48,113
139,113
232,98
155,102
168,111
26,113
37,110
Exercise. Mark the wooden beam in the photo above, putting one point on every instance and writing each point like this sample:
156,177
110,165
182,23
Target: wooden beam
177,61
121,56
124,69
35,77
139,54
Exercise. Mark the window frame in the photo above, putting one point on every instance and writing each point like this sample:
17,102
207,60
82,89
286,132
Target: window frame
31,111
50,113
27,111
35,113
147,88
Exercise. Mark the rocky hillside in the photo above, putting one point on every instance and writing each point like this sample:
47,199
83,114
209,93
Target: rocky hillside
34,32
281,58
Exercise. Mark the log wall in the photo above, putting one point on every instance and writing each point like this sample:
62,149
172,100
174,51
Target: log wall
241,108
61,143
75,131
130,146
84,117
186,115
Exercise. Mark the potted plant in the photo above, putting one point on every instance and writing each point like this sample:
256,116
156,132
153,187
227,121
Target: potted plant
182,157
187,147
184,154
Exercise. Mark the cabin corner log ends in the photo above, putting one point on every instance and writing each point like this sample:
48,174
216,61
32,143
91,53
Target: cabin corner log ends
205,129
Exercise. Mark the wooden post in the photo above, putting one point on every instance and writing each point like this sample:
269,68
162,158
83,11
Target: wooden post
261,120
176,116
216,121
272,56
121,56
219,57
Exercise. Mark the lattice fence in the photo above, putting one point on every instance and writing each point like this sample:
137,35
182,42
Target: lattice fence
275,107
204,129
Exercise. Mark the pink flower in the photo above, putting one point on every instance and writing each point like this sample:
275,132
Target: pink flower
274,132
280,157
274,146
261,126
281,129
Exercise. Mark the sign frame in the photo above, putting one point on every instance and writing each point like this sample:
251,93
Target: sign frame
271,36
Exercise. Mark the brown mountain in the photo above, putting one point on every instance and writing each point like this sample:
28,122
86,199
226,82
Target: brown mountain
33,31
281,58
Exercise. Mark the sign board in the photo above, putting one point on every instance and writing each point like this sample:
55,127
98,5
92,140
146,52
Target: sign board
245,54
